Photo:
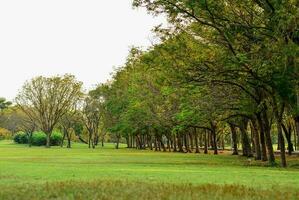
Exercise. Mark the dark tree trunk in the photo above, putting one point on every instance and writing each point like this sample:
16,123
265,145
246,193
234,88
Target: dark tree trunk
180,146
186,141
297,131
201,142
63,138
48,143
174,143
262,138
268,138
117,141
214,138
69,141
30,139
278,115
288,134
191,137
102,142
196,141
256,138
82,140
234,139
245,140
206,142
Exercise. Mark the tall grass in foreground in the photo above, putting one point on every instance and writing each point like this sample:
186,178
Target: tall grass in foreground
106,189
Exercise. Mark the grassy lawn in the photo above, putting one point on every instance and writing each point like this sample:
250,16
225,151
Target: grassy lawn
107,173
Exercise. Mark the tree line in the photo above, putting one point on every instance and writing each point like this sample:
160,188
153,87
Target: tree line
222,68
224,73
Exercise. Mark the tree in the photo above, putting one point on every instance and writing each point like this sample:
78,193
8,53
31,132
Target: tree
252,34
47,100
4,104
91,117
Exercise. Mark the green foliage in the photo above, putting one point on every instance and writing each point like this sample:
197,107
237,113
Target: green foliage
39,138
4,104
56,138
21,138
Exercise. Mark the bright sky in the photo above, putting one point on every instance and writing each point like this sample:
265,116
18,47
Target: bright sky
86,38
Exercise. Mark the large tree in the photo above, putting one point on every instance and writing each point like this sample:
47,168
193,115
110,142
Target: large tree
47,99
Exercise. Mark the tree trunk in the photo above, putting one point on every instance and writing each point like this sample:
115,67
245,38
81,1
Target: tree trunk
69,137
63,138
245,140
30,139
174,143
48,144
278,115
234,139
254,129
168,145
102,141
262,138
214,138
297,131
180,146
206,142
186,141
196,141
117,141
288,134
268,138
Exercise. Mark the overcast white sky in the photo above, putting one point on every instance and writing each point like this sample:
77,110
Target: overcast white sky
86,38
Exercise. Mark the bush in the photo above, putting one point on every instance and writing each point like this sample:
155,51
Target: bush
21,138
16,137
5,134
56,138
39,138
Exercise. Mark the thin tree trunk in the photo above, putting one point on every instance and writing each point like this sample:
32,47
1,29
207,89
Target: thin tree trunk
268,138
196,141
278,116
174,143
206,142
63,138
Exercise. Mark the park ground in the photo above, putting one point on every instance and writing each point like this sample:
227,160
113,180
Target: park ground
107,173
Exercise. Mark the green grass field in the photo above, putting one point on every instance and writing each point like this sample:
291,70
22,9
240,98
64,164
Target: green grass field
107,173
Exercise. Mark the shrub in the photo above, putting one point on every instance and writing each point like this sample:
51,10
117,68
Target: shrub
21,138
5,134
39,138
56,138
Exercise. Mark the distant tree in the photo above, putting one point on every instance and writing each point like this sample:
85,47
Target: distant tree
4,104
47,100
91,119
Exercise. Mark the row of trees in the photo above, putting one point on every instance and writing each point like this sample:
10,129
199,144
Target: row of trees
222,68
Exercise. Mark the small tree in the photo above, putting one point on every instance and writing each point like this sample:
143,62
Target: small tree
91,118
47,100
